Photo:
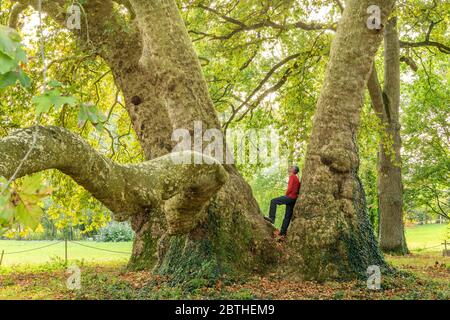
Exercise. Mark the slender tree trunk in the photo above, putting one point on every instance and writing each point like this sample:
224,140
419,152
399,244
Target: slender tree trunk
330,235
386,104
390,187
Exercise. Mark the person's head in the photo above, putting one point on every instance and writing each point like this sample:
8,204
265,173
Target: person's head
293,170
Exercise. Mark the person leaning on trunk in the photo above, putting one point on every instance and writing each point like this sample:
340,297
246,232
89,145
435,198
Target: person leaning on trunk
288,200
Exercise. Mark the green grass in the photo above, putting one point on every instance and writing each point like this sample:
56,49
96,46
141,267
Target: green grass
57,251
419,238
426,277
422,237
41,274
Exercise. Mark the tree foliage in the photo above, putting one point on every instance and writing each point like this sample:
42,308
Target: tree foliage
264,62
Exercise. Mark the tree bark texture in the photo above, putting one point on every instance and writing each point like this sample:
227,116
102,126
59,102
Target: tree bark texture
157,69
330,235
386,104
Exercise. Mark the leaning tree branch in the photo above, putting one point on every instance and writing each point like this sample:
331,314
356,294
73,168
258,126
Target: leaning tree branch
340,5
376,95
181,189
96,17
410,62
261,84
16,10
427,43
267,23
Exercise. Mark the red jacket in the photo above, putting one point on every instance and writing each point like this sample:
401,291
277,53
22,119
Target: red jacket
293,187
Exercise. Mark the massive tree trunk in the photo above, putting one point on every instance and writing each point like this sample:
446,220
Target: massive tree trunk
386,104
330,235
232,237
157,69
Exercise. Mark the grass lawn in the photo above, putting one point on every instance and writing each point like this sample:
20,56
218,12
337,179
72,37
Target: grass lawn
56,251
428,278
419,238
41,274
422,237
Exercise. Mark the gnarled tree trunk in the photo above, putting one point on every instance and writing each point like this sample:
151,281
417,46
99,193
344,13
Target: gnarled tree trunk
155,65
232,237
330,235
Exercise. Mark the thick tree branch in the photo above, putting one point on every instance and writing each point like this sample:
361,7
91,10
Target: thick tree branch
96,17
340,5
427,42
54,8
442,47
376,95
410,62
267,23
16,10
183,190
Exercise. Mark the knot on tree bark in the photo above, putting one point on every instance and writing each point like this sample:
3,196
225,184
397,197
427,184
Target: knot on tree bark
194,186
338,160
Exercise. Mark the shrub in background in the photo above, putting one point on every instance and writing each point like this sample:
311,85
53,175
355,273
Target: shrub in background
116,232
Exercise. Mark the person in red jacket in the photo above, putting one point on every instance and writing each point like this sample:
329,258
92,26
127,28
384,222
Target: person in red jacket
288,199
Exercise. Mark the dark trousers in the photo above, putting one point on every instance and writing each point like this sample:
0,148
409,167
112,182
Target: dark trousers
290,203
